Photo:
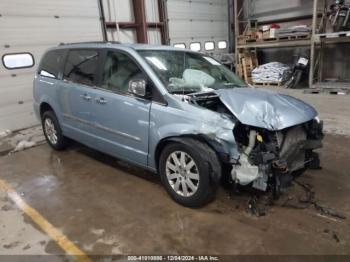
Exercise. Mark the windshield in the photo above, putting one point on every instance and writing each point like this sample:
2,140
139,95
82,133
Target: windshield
188,72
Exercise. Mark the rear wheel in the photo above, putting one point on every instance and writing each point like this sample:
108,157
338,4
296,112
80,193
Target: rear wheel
185,171
53,132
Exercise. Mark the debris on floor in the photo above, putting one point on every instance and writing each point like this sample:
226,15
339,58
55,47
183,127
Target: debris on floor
11,142
335,237
255,207
258,205
22,145
328,211
5,133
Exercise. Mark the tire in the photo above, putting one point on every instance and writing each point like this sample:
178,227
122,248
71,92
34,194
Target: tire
338,27
53,132
289,83
297,78
190,185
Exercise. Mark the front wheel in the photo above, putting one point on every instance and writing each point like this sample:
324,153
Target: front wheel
185,170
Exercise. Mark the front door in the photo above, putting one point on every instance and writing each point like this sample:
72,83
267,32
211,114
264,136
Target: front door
121,120
75,96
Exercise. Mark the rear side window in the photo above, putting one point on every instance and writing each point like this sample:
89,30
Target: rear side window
81,66
52,63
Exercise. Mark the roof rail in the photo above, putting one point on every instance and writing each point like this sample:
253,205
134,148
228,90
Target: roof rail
91,42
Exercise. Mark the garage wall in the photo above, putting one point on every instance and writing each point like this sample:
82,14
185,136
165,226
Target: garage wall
33,26
198,21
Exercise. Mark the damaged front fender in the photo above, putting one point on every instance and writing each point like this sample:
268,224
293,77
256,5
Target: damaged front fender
214,128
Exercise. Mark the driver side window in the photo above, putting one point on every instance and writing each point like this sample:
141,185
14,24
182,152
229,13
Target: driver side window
118,70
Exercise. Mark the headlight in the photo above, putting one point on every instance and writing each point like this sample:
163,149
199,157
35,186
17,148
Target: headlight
317,119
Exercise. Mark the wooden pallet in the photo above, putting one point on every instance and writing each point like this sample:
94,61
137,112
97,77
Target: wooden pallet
328,91
247,40
334,35
294,37
268,84
242,39
246,63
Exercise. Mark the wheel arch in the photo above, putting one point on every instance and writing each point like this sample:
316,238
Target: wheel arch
186,139
44,107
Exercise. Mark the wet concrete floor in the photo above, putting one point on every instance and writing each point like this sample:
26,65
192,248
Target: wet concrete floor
107,207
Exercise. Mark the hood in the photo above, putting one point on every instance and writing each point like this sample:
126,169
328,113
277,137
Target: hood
265,108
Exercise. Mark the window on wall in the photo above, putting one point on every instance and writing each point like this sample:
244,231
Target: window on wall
195,46
18,60
52,63
222,45
181,45
81,66
209,46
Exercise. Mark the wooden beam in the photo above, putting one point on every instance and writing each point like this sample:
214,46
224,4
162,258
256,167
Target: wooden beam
162,18
140,20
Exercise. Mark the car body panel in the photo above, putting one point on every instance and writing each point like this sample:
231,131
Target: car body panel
121,125
181,119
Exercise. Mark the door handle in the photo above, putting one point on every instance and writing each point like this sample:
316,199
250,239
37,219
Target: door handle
86,97
101,100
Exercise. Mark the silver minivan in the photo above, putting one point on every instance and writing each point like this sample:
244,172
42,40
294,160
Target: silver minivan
178,113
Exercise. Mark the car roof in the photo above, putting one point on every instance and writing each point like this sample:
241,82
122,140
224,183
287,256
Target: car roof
119,45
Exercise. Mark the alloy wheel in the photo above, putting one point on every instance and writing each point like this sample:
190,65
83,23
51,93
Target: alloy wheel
182,173
50,131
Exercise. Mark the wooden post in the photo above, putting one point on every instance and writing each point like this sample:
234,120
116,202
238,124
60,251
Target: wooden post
312,47
140,20
236,24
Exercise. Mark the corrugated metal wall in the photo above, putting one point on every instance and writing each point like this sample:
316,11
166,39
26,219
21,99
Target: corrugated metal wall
33,26
198,21
269,10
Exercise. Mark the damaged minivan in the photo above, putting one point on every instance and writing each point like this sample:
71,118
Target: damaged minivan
175,112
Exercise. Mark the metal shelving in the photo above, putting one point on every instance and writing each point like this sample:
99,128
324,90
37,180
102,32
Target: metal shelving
274,44
316,41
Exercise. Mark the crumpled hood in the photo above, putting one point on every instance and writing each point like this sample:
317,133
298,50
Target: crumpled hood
265,108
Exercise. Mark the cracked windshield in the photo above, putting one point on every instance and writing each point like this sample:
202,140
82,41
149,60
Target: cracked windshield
187,72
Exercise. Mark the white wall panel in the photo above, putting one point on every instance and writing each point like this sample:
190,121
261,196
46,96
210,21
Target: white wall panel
125,36
27,31
154,36
118,10
47,8
198,21
33,26
152,11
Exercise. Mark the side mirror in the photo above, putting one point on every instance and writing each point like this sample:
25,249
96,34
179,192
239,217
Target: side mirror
138,87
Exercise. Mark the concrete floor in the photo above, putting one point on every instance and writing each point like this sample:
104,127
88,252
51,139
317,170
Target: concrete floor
105,206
